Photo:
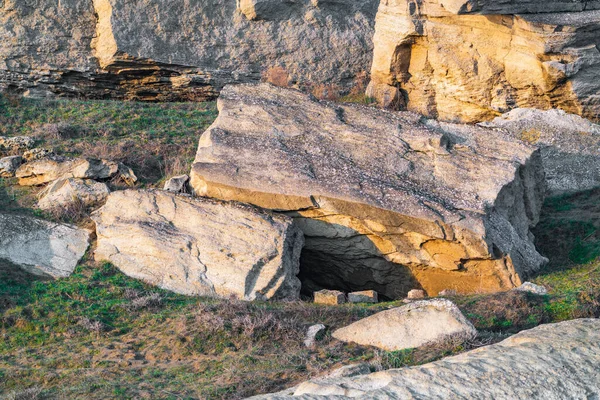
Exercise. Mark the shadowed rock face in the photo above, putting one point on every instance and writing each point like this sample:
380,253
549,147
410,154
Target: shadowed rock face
387,201
176,49
453,63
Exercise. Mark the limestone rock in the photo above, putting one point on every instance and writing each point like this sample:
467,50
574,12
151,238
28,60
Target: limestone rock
199,246
15,143
364,296
409,326
179,50
68,191
453,63
37,154
570,146
177,184
532,288
387,201
41,247
550,362
416,294
329,297
312,333
51,168
9,165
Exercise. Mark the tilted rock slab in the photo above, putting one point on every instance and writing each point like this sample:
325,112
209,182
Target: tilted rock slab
387,201
200,246
570,146
453,63
177,49
41,247
410,326
550,362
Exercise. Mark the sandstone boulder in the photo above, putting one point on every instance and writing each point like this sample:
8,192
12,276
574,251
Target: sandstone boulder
52,168
66,192
409,326
179,50
41,247
199,246
550,362
570,146
387,201
473,60
9,165
329,297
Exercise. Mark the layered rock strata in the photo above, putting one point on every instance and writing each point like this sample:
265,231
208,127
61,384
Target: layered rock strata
200,246
387,201
473,60
178,50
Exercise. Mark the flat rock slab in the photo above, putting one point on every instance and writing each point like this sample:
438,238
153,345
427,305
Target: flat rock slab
570,146
414,325
387,199
550,362
41,247
200,246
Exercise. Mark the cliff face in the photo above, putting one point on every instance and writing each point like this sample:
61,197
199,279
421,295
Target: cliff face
471,60
175,49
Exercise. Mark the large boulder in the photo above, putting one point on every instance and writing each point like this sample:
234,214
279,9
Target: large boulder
41,247
550,362
200,246
473,60
176,49
48,169
570,146
387,201
413,325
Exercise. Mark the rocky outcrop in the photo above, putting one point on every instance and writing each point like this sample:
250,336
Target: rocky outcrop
41,247
200,246
413,325
570,146
69,192
387,201
473,60
52,168
550,362
178,50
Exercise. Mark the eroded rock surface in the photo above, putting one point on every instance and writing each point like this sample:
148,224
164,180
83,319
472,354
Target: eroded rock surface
41,247
550,362
200,246
570,146
176,49
69,192
387,201
413,325
473,60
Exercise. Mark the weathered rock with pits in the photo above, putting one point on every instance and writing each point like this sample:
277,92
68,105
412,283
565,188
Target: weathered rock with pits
413,325
15,143
37,154
67,192
200,246
387,201
9,165
453,63
570,146
550,362
41,247
179,50
52,168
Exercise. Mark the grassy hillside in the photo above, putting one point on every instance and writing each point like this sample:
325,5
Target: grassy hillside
100,335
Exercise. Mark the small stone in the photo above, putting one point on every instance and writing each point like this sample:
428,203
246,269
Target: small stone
532,288
330,297
177,184
416,294
447,293
9,165
365,296
312,333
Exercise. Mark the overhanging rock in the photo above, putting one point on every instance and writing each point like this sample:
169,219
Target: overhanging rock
387,201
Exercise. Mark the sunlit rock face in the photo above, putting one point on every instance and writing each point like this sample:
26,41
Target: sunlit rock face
473,60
